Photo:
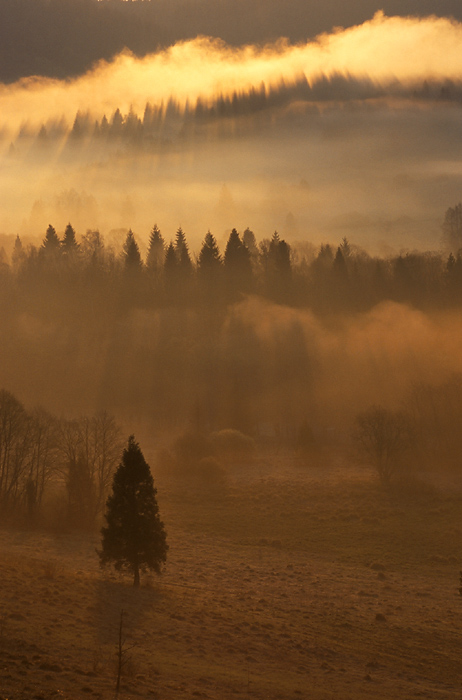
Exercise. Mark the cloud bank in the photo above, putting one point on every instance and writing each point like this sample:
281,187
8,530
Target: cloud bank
383,49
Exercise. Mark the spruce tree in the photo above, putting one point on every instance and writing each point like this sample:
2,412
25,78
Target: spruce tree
209,257
156,251
249,240
131,253
237,264
170,270
51,242
134,538
182,253
69,243
18,256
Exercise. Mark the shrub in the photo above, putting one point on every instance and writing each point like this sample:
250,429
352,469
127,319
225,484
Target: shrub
191,447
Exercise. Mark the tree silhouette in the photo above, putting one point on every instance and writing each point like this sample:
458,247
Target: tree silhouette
278,265
182,252
131,253
209,261
134,539
249,240
69,243
383,436
237,263
51,242
156,251
452,228
18,256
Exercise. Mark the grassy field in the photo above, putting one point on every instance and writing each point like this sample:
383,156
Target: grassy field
305,583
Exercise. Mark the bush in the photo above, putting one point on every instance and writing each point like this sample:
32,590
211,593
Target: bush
192,447
210,470
191,461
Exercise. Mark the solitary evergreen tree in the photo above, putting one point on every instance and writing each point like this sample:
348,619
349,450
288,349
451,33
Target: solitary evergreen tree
134,539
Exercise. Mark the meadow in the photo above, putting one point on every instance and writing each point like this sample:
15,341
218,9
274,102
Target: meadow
287,580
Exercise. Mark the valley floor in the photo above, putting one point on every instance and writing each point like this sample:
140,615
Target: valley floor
307,585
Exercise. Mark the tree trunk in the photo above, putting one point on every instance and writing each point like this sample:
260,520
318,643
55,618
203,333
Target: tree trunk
136,581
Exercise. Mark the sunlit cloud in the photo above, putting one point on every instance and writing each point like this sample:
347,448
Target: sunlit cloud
384,48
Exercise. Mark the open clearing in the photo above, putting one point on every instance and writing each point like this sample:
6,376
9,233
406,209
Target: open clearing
307,585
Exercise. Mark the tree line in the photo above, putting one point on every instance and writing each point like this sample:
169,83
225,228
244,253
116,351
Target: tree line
326,279
256,107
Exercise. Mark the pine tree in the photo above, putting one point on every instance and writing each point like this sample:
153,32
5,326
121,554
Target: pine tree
237,264
249,240
51,242
339,266
69,243
182,253
18,256
156,251
170,268
209,257
134,539
131,253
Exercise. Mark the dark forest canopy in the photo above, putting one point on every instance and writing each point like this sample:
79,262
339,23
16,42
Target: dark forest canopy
60,38
329,279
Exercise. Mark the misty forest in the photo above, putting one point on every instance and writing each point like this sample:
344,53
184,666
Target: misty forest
230,349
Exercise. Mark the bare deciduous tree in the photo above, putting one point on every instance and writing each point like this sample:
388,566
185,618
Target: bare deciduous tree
91,449
43,457
14,447
384,436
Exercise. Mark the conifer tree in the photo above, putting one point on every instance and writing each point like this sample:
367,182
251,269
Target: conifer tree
131,253
171,262
237,263
249,240
279,255
209,256
69,243
134,538
182,252
275,261
51,242
18,256
156,250
339,266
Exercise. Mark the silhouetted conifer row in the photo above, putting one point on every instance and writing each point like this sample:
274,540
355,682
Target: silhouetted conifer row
159,122
328,279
